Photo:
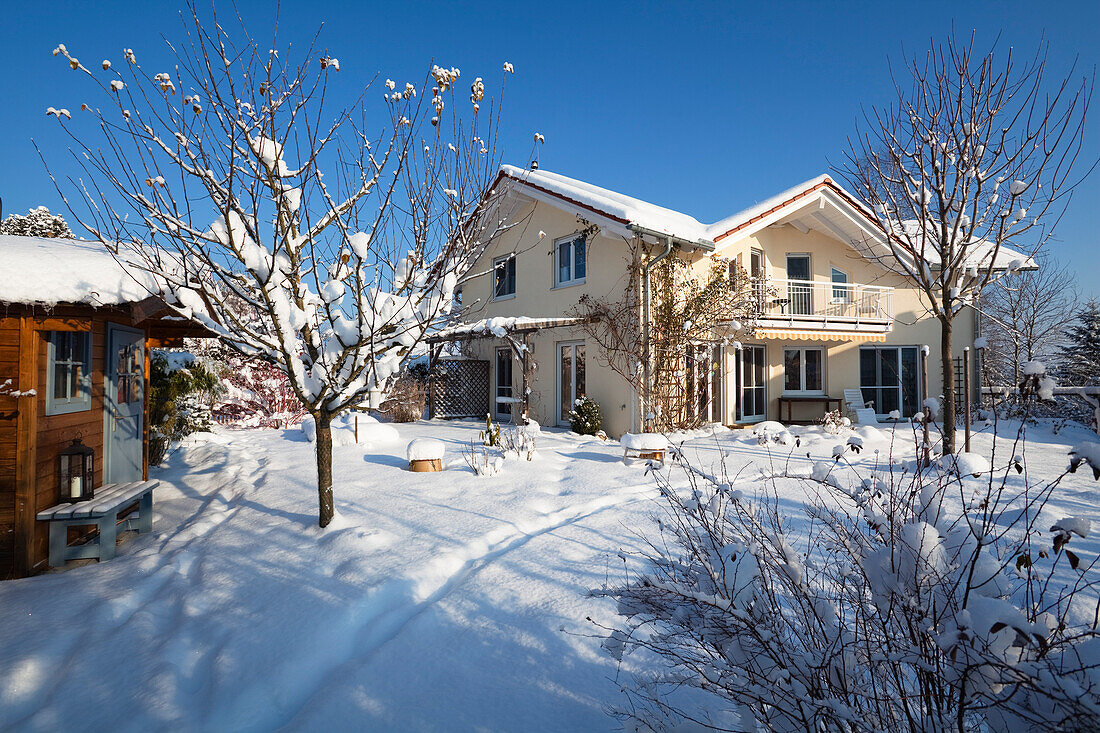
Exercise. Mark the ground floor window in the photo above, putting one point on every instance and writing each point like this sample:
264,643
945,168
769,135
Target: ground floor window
889,377
570,379
504,382
803,370
68,372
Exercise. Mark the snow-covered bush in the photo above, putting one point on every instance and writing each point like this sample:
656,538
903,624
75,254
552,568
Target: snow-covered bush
484,460
520,440
181,390
37,222
904,600
585,418
406,399
833,422
352,425
490,436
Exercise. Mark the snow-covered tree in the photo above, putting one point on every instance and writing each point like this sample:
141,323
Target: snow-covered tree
1080,362
1025,315
976,153
343,232
38,222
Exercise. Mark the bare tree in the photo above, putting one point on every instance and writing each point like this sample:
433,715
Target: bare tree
343,232
978,153
1025,315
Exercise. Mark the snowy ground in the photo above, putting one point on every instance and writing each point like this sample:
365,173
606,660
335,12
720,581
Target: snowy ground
434,602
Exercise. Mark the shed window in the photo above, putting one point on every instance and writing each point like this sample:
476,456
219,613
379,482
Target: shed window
68,372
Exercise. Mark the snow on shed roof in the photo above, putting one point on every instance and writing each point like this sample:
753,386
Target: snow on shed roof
52,271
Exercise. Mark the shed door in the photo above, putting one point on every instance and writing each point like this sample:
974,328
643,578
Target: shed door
123,403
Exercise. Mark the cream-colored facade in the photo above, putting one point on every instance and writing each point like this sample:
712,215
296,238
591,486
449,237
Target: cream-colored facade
851,302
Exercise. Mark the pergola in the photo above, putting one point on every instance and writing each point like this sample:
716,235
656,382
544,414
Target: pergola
515,331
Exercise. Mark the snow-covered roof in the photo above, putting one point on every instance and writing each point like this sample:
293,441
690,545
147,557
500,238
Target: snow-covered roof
626,210
499,326
52,271
634,212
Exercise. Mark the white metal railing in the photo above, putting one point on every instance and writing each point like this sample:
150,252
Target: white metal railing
810,302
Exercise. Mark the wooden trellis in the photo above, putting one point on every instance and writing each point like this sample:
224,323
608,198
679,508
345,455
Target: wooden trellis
459,388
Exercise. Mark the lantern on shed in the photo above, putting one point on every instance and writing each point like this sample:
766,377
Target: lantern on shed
75,472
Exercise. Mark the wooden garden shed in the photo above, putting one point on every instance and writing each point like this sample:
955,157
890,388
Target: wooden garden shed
75,332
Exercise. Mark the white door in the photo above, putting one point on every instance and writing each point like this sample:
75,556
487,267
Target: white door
570,378
754,393
123,404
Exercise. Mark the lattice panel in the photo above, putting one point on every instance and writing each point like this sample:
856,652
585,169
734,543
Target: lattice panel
460,388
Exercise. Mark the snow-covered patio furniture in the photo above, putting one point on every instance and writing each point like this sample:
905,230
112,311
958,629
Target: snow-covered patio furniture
425,455
102,510
651,446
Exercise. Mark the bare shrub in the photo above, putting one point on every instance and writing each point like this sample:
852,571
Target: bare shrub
407,399
900,600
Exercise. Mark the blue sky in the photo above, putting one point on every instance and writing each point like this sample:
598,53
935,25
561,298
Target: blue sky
701,107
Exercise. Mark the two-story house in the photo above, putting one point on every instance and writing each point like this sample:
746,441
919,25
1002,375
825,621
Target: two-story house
836,316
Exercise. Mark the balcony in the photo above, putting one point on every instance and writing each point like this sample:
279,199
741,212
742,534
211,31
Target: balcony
826,306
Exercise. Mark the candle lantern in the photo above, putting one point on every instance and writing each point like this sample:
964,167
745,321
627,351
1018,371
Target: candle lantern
75,472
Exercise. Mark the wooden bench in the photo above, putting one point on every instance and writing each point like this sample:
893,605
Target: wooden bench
102,510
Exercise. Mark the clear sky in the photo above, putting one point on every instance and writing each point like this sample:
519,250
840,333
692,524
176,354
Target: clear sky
702,107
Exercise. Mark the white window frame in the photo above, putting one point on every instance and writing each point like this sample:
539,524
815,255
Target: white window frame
846,289
73,403
802,371
504,260
558,381
572,239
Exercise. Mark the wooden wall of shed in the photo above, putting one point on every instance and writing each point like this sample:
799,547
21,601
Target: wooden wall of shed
9,370
52,432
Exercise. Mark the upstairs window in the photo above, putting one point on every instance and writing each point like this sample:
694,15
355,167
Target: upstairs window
841,290
68,372
571,265
504,277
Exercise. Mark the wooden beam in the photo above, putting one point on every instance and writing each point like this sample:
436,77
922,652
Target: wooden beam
145,309
63,324
26,446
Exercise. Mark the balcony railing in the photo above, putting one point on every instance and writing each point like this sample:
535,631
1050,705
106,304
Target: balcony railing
810,304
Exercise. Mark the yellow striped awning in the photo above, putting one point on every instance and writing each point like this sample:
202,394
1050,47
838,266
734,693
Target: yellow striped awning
791,334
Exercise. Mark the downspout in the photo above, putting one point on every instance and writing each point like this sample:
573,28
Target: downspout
646,297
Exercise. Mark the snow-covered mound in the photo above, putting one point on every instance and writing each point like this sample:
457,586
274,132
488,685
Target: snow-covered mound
963,464
644,441
425,449
371,432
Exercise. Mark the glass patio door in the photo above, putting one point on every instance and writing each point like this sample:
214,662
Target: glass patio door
570,378
754,392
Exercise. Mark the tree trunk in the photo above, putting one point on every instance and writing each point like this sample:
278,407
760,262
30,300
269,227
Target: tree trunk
948,363
324,468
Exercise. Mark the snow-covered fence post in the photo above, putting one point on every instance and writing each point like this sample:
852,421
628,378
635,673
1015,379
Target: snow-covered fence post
926,444
966,398
216,181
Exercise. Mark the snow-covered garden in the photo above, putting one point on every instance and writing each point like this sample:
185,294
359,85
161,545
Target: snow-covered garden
434,601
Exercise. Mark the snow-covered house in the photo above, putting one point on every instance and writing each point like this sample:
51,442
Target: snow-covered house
75,333
839,318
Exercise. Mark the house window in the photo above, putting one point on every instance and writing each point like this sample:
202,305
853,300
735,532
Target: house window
570,259
889,377
504,382
504,277
803,370
842,292
68,372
